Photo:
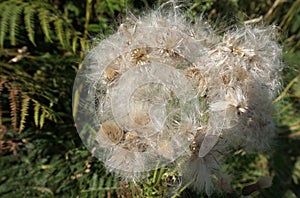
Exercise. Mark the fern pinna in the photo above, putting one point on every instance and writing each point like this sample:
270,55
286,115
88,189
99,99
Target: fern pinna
33,17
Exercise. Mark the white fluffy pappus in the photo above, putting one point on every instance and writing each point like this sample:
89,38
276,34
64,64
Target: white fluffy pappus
203,173
146,106
165,90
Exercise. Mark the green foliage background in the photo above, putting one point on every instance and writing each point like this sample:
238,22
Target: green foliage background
42,44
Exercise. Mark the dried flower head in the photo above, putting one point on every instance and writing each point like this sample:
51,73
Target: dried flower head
164,90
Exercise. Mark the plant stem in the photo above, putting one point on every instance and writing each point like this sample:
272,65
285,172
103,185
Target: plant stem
87,18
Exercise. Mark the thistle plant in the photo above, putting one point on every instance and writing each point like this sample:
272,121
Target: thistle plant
163,90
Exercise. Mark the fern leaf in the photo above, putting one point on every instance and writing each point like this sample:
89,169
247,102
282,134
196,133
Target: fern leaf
36,110
2,82
42,118
74,43
29,22
14,16
13,102
101,193
1,88
24,112
94,185
44,20
68,35
4,17
108,183
59,29
1,121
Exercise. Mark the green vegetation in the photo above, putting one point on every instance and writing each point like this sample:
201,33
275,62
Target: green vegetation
42,44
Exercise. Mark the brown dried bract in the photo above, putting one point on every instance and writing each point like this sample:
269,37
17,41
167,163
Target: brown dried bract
140,55
111,74
133,142
141,118
112,131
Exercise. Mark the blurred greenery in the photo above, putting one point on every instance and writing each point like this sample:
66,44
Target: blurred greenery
42,44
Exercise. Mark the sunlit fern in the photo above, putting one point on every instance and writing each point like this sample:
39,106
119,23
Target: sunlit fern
28,96
19,103
32,17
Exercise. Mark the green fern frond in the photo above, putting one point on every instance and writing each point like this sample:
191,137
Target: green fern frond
1,88
4,17
74,43
50,114
100,186
24,112
13,102
14,16
47,16
44,15
101,183
108,182
29,12
68,35
42,118
36,110
94,185
1,121
42,112
59,30
2,82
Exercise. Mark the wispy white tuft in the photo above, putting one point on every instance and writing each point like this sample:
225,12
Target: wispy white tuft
162,88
